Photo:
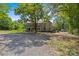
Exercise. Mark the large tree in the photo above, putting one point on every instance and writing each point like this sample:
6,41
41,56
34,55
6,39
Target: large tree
69,13
32,11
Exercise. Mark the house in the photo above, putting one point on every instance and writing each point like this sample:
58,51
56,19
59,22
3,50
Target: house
41,26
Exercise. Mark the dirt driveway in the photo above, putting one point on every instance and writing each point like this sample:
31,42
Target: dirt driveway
26,44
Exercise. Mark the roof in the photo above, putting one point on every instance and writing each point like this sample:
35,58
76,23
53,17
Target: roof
39,21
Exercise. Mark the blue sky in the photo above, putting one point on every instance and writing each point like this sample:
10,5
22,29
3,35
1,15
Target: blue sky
11,13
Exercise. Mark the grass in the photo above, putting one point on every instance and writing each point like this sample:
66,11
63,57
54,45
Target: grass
64,47
10,31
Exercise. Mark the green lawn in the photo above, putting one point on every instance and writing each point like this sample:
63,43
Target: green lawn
10,31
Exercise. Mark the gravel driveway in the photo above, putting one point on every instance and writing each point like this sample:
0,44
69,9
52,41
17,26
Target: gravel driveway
26,44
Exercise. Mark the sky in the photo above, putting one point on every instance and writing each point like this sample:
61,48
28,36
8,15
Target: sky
11,13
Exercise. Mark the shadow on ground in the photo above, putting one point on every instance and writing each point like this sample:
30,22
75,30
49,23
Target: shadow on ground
19,41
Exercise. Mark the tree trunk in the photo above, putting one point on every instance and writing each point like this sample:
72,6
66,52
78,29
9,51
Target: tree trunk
35,26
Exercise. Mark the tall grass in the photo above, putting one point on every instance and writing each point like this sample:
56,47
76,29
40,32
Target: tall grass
64,47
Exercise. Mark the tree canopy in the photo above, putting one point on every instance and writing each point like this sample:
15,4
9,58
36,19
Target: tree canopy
69,14
5,20
34,12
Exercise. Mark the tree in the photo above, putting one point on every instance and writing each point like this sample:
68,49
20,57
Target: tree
5,20
34,12
4,8
70,15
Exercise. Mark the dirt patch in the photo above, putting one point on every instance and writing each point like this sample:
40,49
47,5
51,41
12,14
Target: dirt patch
24,44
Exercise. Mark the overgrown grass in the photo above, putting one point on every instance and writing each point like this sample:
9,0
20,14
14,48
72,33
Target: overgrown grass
64,47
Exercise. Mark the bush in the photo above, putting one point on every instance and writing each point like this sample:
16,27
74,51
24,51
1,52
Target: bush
18,25
5,24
